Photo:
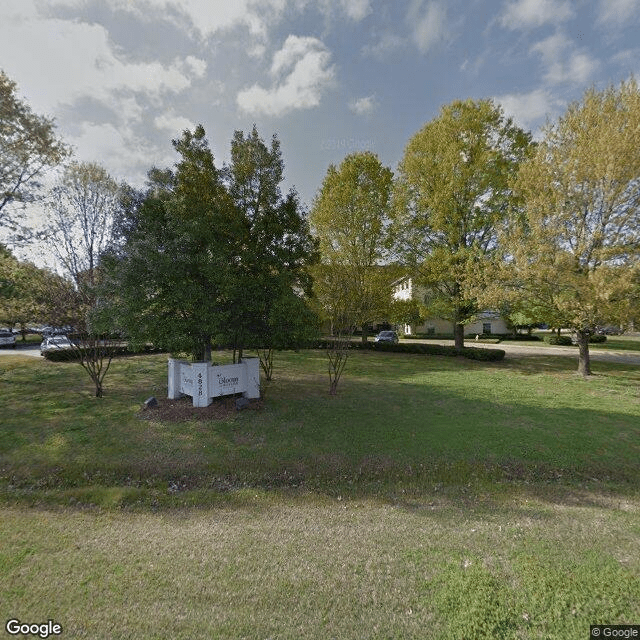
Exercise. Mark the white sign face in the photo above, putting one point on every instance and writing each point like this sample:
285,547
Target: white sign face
203,381
186,383
227,380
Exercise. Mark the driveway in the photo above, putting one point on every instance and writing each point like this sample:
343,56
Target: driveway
519,350
29,350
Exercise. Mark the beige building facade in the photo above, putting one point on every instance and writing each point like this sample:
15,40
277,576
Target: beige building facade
487,322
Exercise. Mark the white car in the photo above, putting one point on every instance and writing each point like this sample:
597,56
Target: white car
53,343
7,339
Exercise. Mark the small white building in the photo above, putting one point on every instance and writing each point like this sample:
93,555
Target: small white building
486,322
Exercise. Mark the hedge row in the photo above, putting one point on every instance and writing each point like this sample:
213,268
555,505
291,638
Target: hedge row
521,337
69,355
473,353
567,341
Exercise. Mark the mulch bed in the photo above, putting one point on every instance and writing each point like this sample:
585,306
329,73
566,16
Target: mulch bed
183,409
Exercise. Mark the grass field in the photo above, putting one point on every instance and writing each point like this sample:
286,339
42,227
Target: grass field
432,498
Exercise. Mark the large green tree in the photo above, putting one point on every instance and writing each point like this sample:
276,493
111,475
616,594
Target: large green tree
205,254
28,147
21,291
574,244
179,242
451,198
272,272
350,217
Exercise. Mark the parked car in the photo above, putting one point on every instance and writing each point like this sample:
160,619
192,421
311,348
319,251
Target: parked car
52,343
610,330
7,339
387,336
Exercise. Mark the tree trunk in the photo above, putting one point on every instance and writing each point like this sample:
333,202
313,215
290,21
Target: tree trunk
458,335
584,362
365,334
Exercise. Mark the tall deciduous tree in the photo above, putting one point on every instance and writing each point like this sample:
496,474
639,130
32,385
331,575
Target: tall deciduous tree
575,244
451,198
82,210
350,218
28,147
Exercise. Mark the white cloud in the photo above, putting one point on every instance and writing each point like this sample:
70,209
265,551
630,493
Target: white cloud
429,26
356,9
61,75
173,123
363,106
294,48
563,64
116,148
527,14
529,109
206,17
617,13
302,73
197,66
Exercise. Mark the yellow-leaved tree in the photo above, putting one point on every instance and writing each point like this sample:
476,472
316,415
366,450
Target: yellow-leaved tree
573,245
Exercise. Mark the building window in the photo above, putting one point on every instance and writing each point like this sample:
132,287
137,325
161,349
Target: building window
486,327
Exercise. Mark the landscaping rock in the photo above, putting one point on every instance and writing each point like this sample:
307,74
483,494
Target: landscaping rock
150,402
242,403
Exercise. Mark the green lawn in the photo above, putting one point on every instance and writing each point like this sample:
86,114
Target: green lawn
432,498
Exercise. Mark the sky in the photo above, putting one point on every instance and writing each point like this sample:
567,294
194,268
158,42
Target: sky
122,78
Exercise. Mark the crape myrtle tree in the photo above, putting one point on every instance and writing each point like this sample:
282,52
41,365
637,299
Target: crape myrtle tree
81,211
573,246
334,302
204,253
350,217
28,148
93,343
451,199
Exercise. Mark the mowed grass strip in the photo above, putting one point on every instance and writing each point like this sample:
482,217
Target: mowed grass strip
432,498
397,417
307,567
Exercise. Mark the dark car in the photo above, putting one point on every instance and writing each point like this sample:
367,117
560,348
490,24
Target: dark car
387,336
610,330
7,339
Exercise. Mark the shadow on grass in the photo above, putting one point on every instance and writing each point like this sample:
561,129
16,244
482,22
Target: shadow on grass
398,424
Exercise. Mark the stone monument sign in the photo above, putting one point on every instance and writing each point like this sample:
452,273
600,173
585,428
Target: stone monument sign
204,381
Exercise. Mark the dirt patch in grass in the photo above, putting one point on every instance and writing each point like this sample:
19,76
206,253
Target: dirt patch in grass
182,409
